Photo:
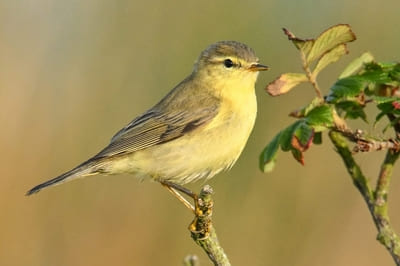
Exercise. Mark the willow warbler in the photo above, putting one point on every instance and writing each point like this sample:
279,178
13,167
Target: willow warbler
196,131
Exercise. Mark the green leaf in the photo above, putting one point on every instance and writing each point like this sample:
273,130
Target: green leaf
298,155
376,75
356,65
306,109
329,39
330,57
345,88
353,109
268,156
296,138
284,83
304,135
317,138
383,99
387,105
287,134
320,118
395,73
382,73
386,65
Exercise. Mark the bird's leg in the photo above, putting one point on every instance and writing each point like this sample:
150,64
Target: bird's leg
202,209
175,189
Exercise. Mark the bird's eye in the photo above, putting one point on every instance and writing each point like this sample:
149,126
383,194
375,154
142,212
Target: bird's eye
228,63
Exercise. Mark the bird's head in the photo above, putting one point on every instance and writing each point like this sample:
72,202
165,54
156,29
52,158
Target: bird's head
229,62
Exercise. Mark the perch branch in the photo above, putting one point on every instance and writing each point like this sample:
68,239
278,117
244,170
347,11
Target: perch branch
376,200
202,230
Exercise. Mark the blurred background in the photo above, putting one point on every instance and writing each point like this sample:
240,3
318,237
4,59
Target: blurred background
72,73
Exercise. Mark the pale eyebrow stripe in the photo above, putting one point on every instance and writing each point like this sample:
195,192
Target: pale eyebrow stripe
220,59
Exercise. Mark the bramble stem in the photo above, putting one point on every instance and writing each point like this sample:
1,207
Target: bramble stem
377,200
387,236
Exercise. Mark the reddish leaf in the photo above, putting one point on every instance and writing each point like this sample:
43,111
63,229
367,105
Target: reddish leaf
396,105
299,156
284,83
302,147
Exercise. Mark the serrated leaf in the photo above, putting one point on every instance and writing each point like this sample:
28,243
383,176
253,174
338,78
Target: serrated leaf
346,87
383,99
306,109
352,109
330,57
303,136
303,45
298,155
389,107
287,134
329,39
386,65
356,65
395,73
301,141
268,156
386,106
376,76
284,83
356,113
382,73
320,118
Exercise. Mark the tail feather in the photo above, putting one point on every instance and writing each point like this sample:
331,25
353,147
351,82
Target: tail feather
87,168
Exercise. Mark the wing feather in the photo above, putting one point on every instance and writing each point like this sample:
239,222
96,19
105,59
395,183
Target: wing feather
154,128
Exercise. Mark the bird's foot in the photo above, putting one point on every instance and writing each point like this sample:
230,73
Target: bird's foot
201,225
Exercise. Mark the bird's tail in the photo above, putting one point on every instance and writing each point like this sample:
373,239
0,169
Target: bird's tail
90,167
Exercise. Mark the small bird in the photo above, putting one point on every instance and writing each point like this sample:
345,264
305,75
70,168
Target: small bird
196,131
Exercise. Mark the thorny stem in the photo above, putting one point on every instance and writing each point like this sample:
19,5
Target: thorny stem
367,144
386,234
376,200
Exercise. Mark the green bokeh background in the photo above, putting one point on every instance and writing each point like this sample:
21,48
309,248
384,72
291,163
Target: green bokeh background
73,72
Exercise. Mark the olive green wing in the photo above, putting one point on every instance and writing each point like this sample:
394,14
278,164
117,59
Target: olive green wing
155,127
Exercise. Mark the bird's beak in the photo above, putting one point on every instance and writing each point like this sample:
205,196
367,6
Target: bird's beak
257,67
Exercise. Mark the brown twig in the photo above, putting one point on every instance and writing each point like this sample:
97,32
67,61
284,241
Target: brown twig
367,144
310,76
